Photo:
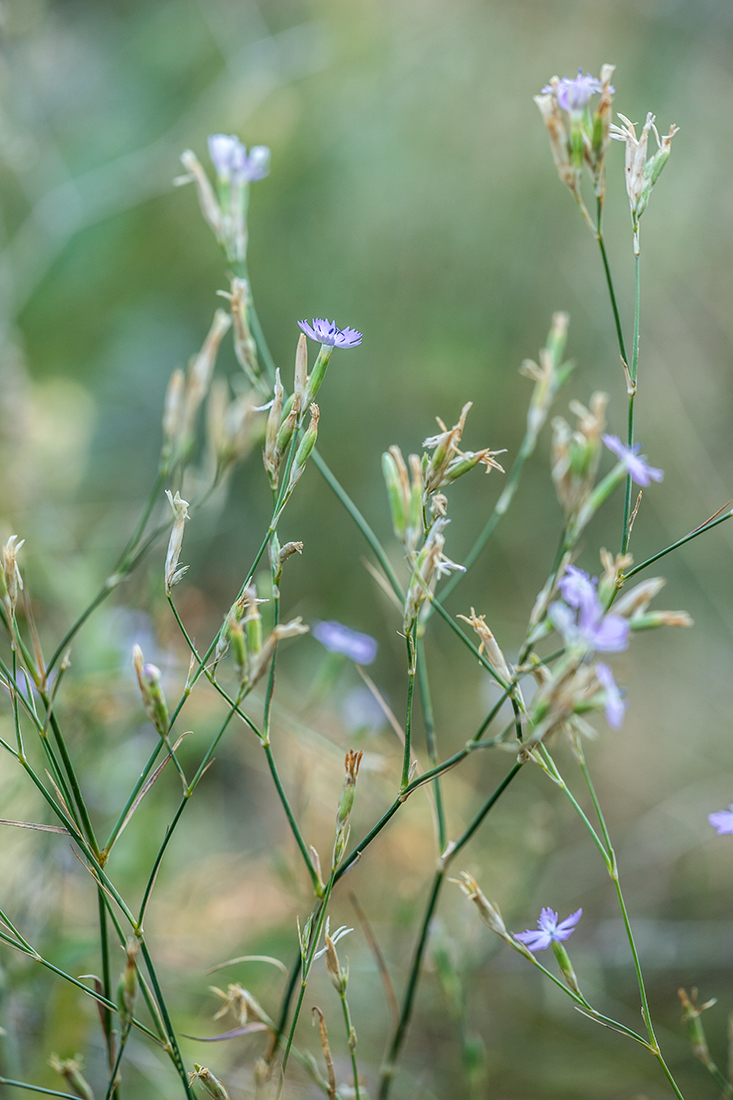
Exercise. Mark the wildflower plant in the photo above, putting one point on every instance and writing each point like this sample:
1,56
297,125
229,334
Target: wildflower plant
575,618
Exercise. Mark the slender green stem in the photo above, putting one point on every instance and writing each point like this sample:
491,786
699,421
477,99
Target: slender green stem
37,1088
390,1062
295,829
123,566
106,978
430,738
308,962
411,670
611,289
632,397
351,1040
680,542
111,1087
73,781
171,1035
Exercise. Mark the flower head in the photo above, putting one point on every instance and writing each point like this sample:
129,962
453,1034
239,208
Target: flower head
636,464
550,930
573,93
722,821
615,705
361,648
589,626
232,162
326,332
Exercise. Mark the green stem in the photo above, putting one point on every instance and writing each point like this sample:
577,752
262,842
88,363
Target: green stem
73,781
307,963
632,397
106,978
295,829
430,738
411,670
680,542
37,1088
351,1040
171,1035
398,1038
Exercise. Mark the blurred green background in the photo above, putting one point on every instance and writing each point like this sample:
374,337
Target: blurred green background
412,195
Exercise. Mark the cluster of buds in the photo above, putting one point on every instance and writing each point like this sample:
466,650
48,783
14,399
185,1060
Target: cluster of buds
405,496
242,632
245,348
448,462
225,210
186,393
548,376
231,426
285,418
345,805
148,677
212,1084
642,174
430,564
578,136
70,1070
572,689
11,581
576,454
127,987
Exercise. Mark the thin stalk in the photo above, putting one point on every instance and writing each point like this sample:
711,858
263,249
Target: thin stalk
122,567
106,977
398,1038
306,967
430,738
111,1087
171,1035
411,670
351,1040
36,1088
609,283
294,827
73,781
632,396
680,542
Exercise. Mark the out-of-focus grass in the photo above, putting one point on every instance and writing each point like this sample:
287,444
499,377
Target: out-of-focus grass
412,195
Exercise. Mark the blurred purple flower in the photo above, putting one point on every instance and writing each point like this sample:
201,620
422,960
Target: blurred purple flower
232,162
361,648
573,93
549,930
326,332
615,705
722,820
590,626
636,464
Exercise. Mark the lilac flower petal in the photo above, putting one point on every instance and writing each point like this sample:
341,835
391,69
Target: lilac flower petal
615,705
573,94
636,464
576,587
563,619
224,149
610,634
535,941
361,648
722,821
549,930
327,332
566,927
258,163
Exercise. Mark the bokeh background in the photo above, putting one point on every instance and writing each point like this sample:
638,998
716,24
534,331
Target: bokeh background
412,195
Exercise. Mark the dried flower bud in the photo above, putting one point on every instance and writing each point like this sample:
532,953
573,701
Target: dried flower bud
207,199
305,447
70,1070
653,619
637,599
301,371
489,645
212,1084
198,380
431,563
333,966
489,913
245,348
271,454
11,581
173,572
127,987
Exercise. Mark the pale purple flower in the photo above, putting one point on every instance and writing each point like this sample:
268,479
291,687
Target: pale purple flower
636,464
326,332
361,648
232,162
615,705
550,930
588,626
722,820
577,588
573,93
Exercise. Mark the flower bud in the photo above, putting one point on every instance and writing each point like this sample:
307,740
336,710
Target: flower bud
489,913
272,453
212,1084
148,678
565,965
173,573
70,1070
127,987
